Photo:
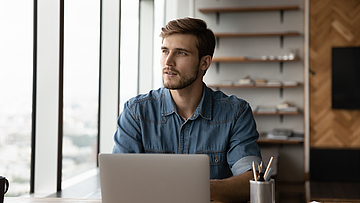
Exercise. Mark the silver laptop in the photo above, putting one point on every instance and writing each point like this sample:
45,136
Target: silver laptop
154,178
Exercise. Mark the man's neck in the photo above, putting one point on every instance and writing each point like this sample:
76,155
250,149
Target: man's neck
187,99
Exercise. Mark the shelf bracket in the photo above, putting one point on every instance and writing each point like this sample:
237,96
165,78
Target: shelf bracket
217,18
281,67
217,42
281,16
281,118
217,68
281,92
281,41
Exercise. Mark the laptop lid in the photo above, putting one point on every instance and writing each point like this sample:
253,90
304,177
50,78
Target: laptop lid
154,178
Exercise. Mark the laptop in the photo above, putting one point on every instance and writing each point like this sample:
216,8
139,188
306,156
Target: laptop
154,178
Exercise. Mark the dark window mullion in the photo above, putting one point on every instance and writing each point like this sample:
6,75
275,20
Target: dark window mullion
61,97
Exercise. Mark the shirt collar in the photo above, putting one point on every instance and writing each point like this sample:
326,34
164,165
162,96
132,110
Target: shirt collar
204,108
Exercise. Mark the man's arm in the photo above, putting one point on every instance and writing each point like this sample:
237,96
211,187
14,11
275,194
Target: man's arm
233,189
127,137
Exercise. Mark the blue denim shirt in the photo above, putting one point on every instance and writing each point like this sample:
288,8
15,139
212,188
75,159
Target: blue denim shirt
222,127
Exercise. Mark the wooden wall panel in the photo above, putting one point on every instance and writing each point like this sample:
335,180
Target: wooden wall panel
332,23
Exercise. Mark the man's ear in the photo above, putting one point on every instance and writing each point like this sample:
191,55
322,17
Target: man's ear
205,62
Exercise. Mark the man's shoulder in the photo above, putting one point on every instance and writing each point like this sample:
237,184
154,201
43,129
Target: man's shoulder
220,97
152,95
229,105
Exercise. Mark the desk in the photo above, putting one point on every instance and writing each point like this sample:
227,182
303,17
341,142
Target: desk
332,192
47,200
51,200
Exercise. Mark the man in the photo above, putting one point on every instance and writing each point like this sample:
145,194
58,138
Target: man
185,116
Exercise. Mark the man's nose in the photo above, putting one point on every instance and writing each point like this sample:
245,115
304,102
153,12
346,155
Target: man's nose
169,61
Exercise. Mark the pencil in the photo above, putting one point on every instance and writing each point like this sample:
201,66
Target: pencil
268,166
254,170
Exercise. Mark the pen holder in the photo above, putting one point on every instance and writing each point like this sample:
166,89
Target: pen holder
262,191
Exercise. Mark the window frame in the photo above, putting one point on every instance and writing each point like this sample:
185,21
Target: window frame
47,99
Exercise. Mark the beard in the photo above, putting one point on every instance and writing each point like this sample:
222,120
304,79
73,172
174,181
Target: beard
184,81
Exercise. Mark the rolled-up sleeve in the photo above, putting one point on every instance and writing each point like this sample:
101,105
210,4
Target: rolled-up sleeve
243,147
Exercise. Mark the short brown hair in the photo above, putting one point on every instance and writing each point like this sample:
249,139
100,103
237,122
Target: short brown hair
205,37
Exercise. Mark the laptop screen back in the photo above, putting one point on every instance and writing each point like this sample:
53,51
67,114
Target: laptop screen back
154,178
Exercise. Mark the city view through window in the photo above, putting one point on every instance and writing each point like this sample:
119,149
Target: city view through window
16,66
81,68
81,85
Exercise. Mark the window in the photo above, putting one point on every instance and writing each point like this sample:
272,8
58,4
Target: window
129,43
81,86
159,22
16,66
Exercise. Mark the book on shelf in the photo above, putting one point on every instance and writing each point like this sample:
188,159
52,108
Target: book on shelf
295,137
273,82
260,81
291,109
266,109
246,81
279,134
286,107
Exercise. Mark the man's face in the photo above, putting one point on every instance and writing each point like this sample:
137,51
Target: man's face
179,61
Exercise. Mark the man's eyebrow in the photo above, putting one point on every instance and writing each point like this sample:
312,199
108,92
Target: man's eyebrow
178,49
183,49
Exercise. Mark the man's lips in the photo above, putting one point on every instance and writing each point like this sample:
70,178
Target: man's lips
169,72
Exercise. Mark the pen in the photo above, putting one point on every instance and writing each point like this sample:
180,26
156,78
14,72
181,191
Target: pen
268,166
261,173
268,175
254,170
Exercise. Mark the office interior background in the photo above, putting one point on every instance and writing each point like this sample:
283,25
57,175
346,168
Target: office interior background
67,67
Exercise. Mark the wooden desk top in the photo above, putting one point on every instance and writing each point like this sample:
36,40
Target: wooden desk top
51,200
332,192
47,200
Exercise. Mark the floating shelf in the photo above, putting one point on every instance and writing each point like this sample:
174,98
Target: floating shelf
273,141
276,113
249,9
259,34
248,60
268,34
281,114
253,86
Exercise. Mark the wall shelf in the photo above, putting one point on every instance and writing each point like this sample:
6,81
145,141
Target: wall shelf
281,114
273,141
219,86
242,59
276,113
249,9
264,34
260,34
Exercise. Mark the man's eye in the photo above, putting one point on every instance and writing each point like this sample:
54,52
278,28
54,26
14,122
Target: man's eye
165,51
182,53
